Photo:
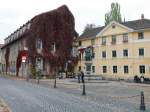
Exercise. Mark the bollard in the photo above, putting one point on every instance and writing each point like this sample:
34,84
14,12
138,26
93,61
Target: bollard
55,83
38,80
27,78
83,93
142,105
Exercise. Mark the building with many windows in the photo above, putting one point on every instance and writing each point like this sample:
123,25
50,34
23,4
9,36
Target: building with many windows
118,50
43,44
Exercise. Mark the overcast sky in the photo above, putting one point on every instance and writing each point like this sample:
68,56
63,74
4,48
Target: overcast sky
14,13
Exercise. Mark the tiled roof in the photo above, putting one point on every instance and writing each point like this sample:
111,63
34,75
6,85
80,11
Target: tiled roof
135,25
138,24
91,33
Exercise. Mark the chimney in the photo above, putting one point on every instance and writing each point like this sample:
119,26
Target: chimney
142,16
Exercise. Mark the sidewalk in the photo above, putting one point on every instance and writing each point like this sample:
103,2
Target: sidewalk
74,82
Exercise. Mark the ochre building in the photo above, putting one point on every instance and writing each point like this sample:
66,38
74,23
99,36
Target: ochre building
117,51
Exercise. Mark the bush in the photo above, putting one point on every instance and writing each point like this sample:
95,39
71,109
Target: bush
33,72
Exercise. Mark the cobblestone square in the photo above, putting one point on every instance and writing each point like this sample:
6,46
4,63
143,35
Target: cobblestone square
103,96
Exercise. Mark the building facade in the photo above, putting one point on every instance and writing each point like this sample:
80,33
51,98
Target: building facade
42,44
118,50
14,43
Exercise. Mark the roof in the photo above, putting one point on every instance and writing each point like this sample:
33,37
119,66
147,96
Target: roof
91,33
138,24
135,25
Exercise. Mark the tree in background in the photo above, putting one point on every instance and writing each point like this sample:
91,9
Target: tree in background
114,14
89,27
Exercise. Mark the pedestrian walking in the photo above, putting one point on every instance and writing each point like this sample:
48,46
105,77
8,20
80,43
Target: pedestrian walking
82,76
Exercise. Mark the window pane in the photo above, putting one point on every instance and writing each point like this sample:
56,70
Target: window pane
141,51
126,69
80,43
103,40
103,54
113,38
142,69
38,44
114,54
140,35
104,69
88,67
114,69
125,37
93,69
125,52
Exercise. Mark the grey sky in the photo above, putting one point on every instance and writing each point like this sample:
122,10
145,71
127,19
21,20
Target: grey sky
14,13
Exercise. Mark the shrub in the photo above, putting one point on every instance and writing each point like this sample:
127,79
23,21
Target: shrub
33,72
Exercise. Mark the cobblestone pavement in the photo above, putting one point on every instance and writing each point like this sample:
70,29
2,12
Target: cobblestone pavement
124,97
22,96
3,106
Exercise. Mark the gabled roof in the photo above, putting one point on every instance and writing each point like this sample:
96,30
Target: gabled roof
135,25
112,23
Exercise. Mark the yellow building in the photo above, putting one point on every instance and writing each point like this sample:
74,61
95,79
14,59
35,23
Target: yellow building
118,50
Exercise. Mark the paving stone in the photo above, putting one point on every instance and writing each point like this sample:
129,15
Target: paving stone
22,96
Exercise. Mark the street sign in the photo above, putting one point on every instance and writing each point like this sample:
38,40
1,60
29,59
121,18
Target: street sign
24,58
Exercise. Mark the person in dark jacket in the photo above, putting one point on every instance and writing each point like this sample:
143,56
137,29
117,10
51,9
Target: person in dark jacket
82,76
79,75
